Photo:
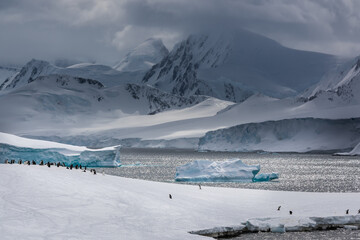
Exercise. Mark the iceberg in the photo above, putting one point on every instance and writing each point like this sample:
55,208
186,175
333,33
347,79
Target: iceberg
233,170
18,148
265,177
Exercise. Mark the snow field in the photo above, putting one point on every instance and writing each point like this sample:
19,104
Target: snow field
38,202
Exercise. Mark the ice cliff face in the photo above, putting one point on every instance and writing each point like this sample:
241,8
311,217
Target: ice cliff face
233,66
143,57
290,135
17,148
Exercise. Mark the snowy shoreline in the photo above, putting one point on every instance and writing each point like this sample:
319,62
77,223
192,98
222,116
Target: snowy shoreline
73,204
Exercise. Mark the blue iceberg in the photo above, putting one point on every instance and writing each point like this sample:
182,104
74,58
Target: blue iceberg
233,170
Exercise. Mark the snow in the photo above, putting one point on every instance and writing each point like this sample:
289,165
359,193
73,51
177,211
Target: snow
290,135
355,151
56,203
143,57
19,148
225,171
232,66
283,224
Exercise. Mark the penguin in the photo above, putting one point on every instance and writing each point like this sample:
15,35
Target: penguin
48,164
85,168
76,167
33,162
6,161
58,164
91,170
347,211
63,164
279,208
80,166
41,163
20,161
94,172
170,196
199,186
290,212
359,211
67,167
71,167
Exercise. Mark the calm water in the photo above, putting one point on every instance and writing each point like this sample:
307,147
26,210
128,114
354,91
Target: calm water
298,172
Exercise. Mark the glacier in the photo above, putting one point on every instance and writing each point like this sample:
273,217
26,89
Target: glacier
225,171
289,135
17,148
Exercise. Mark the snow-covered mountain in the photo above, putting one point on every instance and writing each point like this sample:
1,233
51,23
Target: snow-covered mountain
233,66
143,57
35,68
58,99
6,75
341,86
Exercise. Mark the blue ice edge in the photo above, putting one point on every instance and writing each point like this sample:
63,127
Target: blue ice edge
106,158
233,170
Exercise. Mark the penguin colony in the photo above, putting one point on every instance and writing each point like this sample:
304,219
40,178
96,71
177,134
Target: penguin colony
49,164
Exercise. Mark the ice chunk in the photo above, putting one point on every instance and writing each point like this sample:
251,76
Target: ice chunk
14,147
265,177
209,171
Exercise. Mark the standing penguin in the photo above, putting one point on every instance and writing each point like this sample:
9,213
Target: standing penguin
41,163
290,212
33,162
279,208
20,161
170,196
347,211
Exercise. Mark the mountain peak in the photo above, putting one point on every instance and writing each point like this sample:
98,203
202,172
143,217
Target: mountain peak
144,56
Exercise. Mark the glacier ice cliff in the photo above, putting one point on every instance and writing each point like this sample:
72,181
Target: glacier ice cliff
17,148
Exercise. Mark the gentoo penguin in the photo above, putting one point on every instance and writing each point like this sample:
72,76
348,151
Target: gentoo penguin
6,161
290,212
347,211
33,162
20,161
94,171
279,208
41,163
170,196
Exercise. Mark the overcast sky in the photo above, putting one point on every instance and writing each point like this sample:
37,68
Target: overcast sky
104,30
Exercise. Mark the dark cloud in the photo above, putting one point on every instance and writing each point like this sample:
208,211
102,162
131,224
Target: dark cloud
104,30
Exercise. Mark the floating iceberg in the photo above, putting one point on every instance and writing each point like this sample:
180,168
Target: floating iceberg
14,147
265,177
207,171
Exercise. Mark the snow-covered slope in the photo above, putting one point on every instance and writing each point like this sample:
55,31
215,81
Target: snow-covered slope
233,66
143,57
71,101
56,203
106,75
6,75
292,135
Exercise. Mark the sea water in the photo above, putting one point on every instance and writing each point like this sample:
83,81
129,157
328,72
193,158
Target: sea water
298,172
